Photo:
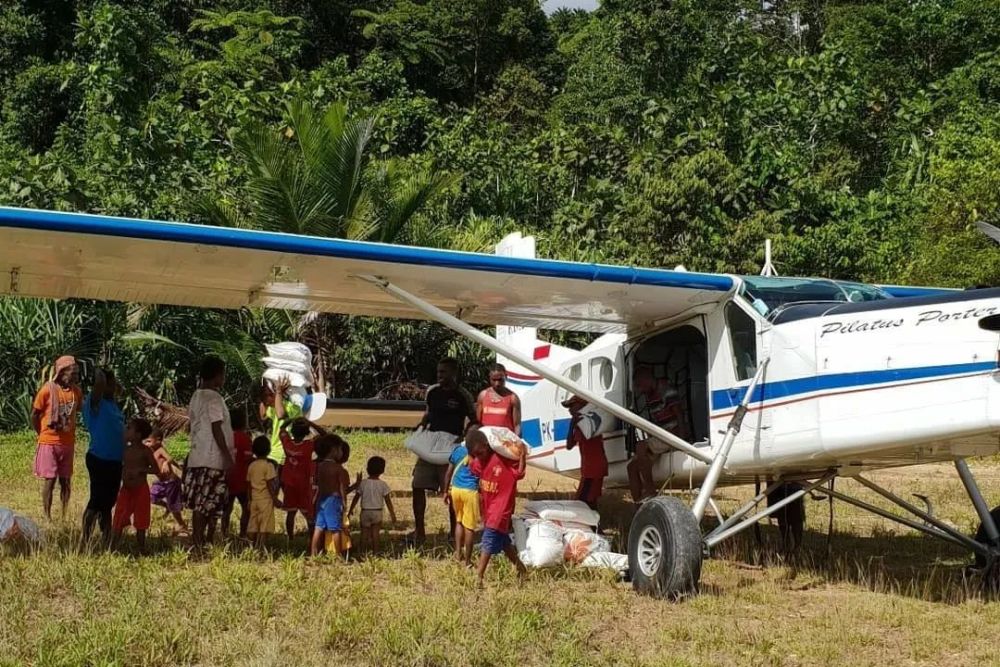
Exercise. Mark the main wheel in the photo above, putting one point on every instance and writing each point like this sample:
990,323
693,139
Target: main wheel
665,549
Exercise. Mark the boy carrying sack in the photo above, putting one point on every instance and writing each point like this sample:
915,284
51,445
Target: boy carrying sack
498,478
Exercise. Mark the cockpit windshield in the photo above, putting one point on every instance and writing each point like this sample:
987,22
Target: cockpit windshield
767,294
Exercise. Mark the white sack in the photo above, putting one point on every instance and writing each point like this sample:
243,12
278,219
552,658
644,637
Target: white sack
520,533
14,527
594,421
287,365
607,559
290,351
504,442
275,376
575,511
432,446
579,545
544,545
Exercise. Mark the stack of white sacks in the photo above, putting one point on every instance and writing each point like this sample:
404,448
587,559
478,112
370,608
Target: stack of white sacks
293,362
556,532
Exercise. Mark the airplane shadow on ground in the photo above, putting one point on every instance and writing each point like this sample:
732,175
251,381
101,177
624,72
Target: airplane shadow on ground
910,564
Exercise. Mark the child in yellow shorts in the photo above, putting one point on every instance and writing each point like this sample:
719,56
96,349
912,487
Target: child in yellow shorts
462,494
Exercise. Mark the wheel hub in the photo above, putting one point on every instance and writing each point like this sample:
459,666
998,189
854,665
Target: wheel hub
650,551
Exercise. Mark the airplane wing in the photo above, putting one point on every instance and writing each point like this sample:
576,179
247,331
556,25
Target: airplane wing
74,255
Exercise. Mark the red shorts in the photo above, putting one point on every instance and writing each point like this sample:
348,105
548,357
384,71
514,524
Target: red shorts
590,489
53,461
296,495
132,508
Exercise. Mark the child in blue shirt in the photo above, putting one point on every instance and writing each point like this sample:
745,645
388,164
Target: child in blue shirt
462,494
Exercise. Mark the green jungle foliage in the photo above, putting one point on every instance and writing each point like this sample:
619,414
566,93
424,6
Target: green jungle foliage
862,137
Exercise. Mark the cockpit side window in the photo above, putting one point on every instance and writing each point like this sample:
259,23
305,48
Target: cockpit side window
743,335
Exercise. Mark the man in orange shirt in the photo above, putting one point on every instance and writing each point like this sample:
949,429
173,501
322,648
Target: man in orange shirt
53,416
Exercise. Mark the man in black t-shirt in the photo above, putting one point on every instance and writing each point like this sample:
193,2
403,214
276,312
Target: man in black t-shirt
450,409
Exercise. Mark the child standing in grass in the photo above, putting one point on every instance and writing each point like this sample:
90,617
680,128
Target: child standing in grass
263,496
331,489
373,493
133,504
461,493
498,478
236,478
298,472
166,490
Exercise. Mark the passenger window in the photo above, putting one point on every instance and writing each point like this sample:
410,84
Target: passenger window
573,373
743,334
602,374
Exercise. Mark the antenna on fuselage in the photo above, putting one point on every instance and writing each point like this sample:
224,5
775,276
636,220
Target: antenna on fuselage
768,269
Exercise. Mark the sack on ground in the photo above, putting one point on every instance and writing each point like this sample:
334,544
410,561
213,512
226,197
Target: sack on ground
290,351
504,442
544,545
581,544
520,528
15,529
275,375
566,511
431,446
594,421
608,560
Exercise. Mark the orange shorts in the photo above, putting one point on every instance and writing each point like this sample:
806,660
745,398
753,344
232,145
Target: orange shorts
132,508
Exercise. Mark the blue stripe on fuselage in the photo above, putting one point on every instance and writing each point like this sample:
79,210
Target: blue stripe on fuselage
531,431
770,391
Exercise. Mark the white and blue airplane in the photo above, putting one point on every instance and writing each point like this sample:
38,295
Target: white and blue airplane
788,380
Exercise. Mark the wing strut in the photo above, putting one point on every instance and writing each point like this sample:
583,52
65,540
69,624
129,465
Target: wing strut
715,470
469,331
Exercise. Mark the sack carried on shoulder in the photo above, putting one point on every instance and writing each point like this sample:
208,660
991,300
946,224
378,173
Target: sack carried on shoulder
432,446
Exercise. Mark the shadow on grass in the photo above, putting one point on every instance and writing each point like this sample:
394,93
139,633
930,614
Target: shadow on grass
911,564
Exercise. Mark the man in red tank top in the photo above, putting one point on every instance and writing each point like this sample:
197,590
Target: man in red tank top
497,405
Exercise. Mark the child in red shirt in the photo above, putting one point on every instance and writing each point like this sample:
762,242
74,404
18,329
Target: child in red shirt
497,492
297,473
593,458
236,478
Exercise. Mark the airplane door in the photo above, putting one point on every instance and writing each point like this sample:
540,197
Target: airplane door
599,368
738,349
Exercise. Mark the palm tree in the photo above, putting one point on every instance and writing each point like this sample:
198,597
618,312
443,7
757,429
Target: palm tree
316,177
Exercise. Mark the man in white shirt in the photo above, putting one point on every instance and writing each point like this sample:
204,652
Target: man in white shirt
212,451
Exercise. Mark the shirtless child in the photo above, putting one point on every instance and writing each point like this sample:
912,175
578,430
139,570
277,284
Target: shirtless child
133,504
332,488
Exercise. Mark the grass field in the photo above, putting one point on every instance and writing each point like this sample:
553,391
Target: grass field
885,596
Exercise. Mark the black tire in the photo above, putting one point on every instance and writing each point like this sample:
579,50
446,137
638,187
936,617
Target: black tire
675,571
981,536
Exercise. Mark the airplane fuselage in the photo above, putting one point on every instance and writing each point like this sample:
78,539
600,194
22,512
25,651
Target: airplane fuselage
851,386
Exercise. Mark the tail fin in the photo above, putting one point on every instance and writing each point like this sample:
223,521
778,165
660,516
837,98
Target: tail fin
524,339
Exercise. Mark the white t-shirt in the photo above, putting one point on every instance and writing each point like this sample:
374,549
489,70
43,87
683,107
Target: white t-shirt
373,493
206,407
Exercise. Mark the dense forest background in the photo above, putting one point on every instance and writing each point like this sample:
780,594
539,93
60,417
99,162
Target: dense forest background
863,137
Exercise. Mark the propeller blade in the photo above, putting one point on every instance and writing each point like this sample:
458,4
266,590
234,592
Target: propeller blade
989,230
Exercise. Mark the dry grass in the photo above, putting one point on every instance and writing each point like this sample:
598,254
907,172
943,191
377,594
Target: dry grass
885,596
